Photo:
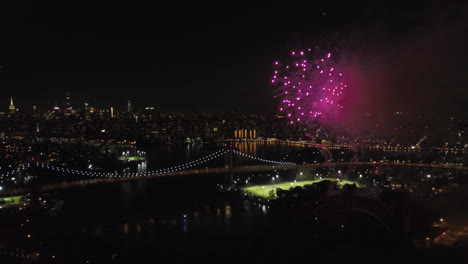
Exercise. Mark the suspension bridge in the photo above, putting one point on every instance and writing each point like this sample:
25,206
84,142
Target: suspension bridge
89,177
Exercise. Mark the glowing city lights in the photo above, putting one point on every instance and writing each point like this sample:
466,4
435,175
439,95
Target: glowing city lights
159,172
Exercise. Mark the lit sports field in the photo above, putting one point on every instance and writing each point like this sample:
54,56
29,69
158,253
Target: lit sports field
133,158
13,200
264,190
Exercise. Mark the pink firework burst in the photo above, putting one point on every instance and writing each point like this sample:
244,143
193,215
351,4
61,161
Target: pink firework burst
310,86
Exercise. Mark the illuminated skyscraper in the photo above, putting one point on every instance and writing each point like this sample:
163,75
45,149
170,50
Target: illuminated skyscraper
68,102
56,107
35,111
12,106
87,115
129,107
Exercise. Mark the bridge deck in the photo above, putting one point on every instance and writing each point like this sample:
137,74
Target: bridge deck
218,170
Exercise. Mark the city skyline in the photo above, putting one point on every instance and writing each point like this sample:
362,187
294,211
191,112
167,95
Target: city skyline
65,104
206,62
137,132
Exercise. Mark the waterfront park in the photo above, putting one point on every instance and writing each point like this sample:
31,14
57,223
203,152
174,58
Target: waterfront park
265,190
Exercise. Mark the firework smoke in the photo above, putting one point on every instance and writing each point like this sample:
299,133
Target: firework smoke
310,87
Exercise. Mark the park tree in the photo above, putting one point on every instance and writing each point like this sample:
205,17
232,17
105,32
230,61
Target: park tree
272,194
349,188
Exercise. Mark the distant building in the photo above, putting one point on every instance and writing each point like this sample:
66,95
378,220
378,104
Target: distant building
12,106
56,107
35,111
68,102
87,114
129,107
149,112
244,133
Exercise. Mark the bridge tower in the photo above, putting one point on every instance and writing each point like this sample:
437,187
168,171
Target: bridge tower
229,162
20,173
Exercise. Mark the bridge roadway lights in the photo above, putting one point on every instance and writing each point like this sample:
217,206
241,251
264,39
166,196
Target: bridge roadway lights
183,168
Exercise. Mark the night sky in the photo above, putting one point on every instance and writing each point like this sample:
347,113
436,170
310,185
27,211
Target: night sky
407,55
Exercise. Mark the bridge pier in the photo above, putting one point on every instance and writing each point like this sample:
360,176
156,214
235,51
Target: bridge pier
20,173
229,164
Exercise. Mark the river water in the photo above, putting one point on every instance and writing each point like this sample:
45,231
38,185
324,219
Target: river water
183,216
171,216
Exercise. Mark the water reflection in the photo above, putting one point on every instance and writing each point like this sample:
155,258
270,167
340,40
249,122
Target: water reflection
228,212
170,155
206,219
142,166
185,223
125,229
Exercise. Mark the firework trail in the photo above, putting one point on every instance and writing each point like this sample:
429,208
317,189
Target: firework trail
310,87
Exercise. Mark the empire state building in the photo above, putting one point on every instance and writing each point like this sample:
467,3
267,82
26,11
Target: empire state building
12,106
